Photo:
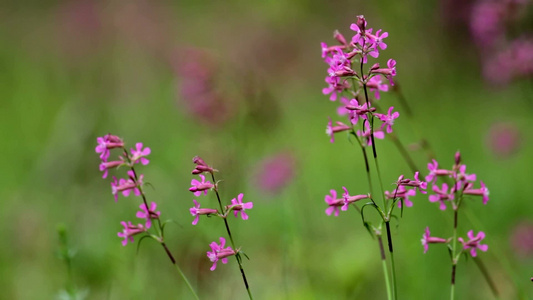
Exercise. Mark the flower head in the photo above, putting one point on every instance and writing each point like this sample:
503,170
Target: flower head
333,203
239,207
483,191
403,194
441,195
331,130
218,252
351,199
474,242
428,239
388,119
200,186
196,211
129,231
201,166
139,154
148,214
106,143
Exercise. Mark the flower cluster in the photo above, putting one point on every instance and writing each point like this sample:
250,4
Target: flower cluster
462,184
346,80
133,182
201,187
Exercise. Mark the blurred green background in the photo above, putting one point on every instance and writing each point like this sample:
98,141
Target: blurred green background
239,83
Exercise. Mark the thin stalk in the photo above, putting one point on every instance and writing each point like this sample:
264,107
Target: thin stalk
403,152
367,165
179,270
237,256
389,238
384,265
454,259
486,275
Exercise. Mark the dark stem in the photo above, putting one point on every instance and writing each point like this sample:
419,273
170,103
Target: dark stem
168,253
454,267
389,237
381,249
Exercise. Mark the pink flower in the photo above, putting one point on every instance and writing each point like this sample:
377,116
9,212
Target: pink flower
196,211
434,171
474,242
357,111
275,172
336,86
522,239
148,214
139,154
388,119
104,166
239,207
375,84
129,231
330,129
200,186
403,193
218,252
106,143
442,195
483,191
378,134
333,203
427,239
351,199
201,166
378,39
504,139
125,186
420,185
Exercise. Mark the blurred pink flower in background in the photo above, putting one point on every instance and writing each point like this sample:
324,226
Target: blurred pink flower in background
515,61
521,239
503,139
275,172
197,90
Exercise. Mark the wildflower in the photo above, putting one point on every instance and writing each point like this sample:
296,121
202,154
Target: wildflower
201,166
375,84
378,134
148,214
403,194
275,172
336,86
521,239
139,154
388,119
126,186
330,129
351,199
420,185
427,239
196,211
129,231
461,176
434,171
357,111
474,242
239,207
200,186
483,191
333,203
106,143
104,166
218,252
442,195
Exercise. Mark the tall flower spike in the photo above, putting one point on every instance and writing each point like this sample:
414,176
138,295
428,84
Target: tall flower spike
239,207
474,242
218,252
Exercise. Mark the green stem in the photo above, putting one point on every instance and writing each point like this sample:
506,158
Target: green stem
179,270
384,265
389,238
237,256
486,275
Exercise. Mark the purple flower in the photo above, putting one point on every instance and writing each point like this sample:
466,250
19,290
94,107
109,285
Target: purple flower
351,199
378,134
139,154
442,195
239,207
148,214
474,242
434,171
483,191
403,193
106,143
357,111
378,39
427,239
200,186
129,231
104,166
126,186
218,252
333,203
388,119
196,211
330,129
375,84
420,185
336,86
201,166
